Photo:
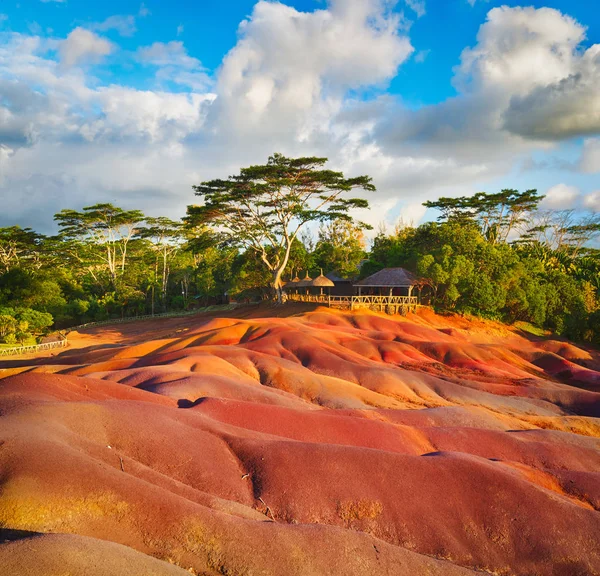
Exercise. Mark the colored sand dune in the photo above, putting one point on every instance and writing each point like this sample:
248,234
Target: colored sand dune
318,443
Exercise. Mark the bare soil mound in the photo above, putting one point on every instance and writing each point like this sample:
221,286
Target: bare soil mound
317,442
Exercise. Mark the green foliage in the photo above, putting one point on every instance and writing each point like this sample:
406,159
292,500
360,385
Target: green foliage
469,265
340,248
263,208
493,255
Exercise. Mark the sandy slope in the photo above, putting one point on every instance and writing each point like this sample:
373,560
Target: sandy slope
319,442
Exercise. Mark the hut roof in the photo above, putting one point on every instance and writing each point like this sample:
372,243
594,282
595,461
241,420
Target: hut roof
322,281
306,281
292,282
389,277
335,278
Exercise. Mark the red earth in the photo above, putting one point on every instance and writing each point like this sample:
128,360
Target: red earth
301,441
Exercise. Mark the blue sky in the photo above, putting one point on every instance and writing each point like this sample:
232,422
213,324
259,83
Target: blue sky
133,102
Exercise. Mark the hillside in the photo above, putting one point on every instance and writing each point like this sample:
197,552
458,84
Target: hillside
302,441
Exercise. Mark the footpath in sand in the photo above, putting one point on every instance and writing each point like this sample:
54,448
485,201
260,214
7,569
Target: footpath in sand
315,442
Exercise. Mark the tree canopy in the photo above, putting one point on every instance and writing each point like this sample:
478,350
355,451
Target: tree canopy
264,207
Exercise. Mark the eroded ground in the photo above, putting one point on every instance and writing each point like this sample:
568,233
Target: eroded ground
318,443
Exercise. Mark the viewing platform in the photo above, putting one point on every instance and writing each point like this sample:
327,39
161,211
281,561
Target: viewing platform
381,292
388,304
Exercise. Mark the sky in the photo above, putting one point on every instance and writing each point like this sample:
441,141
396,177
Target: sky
133,103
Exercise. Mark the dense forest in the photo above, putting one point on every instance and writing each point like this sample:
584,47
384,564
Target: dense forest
494,255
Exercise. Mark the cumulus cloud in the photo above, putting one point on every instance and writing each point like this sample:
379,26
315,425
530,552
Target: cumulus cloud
533,58
291,69
561,197
82,46
289,84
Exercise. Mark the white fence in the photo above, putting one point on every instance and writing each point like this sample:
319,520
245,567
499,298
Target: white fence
64,343
33,348
389,304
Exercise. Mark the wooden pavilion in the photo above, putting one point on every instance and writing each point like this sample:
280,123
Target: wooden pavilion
388,282
389,290
308,289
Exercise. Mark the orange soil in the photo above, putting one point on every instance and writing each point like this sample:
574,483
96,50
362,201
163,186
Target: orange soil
302,441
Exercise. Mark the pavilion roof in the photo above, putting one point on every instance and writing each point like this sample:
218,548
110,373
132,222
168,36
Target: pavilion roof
389,278
322,281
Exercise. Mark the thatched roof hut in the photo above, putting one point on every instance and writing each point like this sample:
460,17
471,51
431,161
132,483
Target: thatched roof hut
389,278
305,282
292,283
322,281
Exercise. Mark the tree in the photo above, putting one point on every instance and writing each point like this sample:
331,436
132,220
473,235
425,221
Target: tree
165,237
340,248
19,247
264,208
107,227
8,324
497,214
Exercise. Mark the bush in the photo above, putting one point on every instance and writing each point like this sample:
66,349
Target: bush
10,339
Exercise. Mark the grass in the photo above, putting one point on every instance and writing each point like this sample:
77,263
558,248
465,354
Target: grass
30,342
531,329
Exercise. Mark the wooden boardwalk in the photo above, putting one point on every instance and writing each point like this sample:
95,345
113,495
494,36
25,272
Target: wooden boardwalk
388,304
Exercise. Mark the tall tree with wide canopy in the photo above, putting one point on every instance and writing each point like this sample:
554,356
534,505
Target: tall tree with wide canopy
166,237
19,247
108,227
264,208
497,214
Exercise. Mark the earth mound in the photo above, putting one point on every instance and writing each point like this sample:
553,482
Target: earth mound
317,442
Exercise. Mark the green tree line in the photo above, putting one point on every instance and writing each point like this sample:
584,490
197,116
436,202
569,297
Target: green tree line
500,256
494,255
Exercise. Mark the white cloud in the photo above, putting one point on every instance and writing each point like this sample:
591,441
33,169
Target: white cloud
180,29
590,158
592,201
123,24
143,11
417,6
3,18
174,64
290,70
167,54
287,85
421,56
561,197
155,116
82,46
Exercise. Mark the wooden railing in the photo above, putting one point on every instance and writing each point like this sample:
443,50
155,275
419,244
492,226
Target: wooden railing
64,343
389,304
33,348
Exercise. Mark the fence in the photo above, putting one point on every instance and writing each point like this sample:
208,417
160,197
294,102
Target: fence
33,348
389,304
64,343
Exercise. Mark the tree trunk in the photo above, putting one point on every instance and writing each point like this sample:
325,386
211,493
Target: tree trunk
165,277
276,284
